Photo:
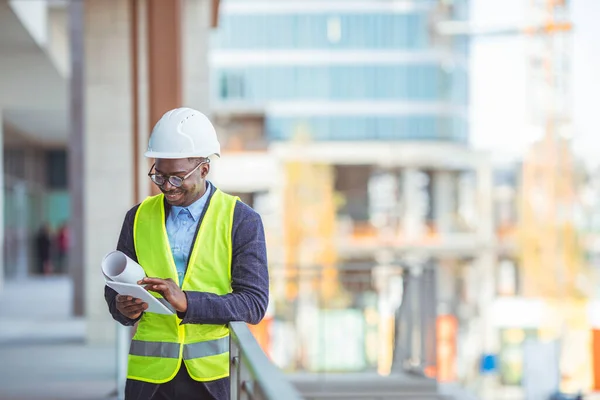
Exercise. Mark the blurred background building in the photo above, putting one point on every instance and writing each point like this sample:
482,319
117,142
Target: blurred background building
399,246
346,126
34,130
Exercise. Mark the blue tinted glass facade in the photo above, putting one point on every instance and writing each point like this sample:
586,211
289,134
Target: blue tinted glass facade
460,12
370,128
423,80
310,31
419,82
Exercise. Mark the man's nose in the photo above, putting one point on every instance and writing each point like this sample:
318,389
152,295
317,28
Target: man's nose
167,186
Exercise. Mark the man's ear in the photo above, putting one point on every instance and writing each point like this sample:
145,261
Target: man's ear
205,170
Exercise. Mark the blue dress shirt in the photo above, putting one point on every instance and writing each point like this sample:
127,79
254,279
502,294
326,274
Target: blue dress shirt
181,229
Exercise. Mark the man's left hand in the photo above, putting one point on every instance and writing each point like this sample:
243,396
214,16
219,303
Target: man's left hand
169,290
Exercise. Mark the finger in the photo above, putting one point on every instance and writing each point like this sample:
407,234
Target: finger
136,310
155,286
133,308
128,303
151,281
132,304
162,289
132,301
133,315
121,298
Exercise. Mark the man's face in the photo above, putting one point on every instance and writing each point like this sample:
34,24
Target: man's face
193,187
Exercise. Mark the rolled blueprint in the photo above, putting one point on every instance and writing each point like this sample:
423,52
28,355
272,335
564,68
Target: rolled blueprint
117,267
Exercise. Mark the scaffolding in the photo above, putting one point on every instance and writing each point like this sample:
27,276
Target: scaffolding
548,247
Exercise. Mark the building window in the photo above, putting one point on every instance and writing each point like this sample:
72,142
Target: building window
56,169
420,82
452,129
14,163
321,31
334,30
232,86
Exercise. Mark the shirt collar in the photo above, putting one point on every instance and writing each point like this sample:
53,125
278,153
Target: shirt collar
196,207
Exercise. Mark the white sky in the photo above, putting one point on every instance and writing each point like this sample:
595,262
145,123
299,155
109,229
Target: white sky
499,112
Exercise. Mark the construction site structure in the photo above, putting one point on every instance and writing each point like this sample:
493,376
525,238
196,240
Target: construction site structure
547,247
551,252
426,219
548,243
423,212
378,214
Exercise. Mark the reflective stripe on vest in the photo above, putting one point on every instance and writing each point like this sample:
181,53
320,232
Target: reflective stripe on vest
154,349
171,350
205,349
161,342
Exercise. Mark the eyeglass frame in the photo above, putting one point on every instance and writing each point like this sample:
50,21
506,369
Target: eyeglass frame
167,178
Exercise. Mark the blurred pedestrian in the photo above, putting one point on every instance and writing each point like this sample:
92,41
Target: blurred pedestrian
62,247
43,243
204,252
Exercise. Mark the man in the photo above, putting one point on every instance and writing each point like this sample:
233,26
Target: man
204,252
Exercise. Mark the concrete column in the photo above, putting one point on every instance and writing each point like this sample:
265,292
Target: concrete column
141,89
108,148
487,259
466,198
2,266
414,200
388,282
428,305
196,25
23,218
408,352
444,200
76,16
486,266
485,202
446,286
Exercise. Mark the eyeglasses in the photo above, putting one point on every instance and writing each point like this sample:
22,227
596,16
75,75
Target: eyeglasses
174,180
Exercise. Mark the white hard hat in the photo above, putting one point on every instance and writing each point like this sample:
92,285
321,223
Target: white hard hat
183,133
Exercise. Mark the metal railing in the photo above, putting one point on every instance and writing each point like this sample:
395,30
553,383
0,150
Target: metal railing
356,290
253,375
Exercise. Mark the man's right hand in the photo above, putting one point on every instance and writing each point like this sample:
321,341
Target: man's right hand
130,307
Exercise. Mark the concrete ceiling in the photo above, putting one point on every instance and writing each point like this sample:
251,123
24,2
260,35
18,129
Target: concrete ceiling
33,94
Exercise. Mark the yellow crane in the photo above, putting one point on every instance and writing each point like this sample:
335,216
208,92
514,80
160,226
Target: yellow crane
549,254
549,251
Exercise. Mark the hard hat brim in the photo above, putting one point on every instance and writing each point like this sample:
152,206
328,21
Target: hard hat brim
174,156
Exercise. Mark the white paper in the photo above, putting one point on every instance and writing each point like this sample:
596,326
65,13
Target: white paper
122,274
117,267
155,305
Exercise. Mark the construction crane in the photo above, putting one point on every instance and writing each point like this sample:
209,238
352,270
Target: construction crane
547,175
549,252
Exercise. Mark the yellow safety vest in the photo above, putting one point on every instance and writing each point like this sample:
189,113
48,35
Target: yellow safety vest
160,342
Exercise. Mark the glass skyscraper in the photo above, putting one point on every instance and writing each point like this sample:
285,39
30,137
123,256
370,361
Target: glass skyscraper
347,70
